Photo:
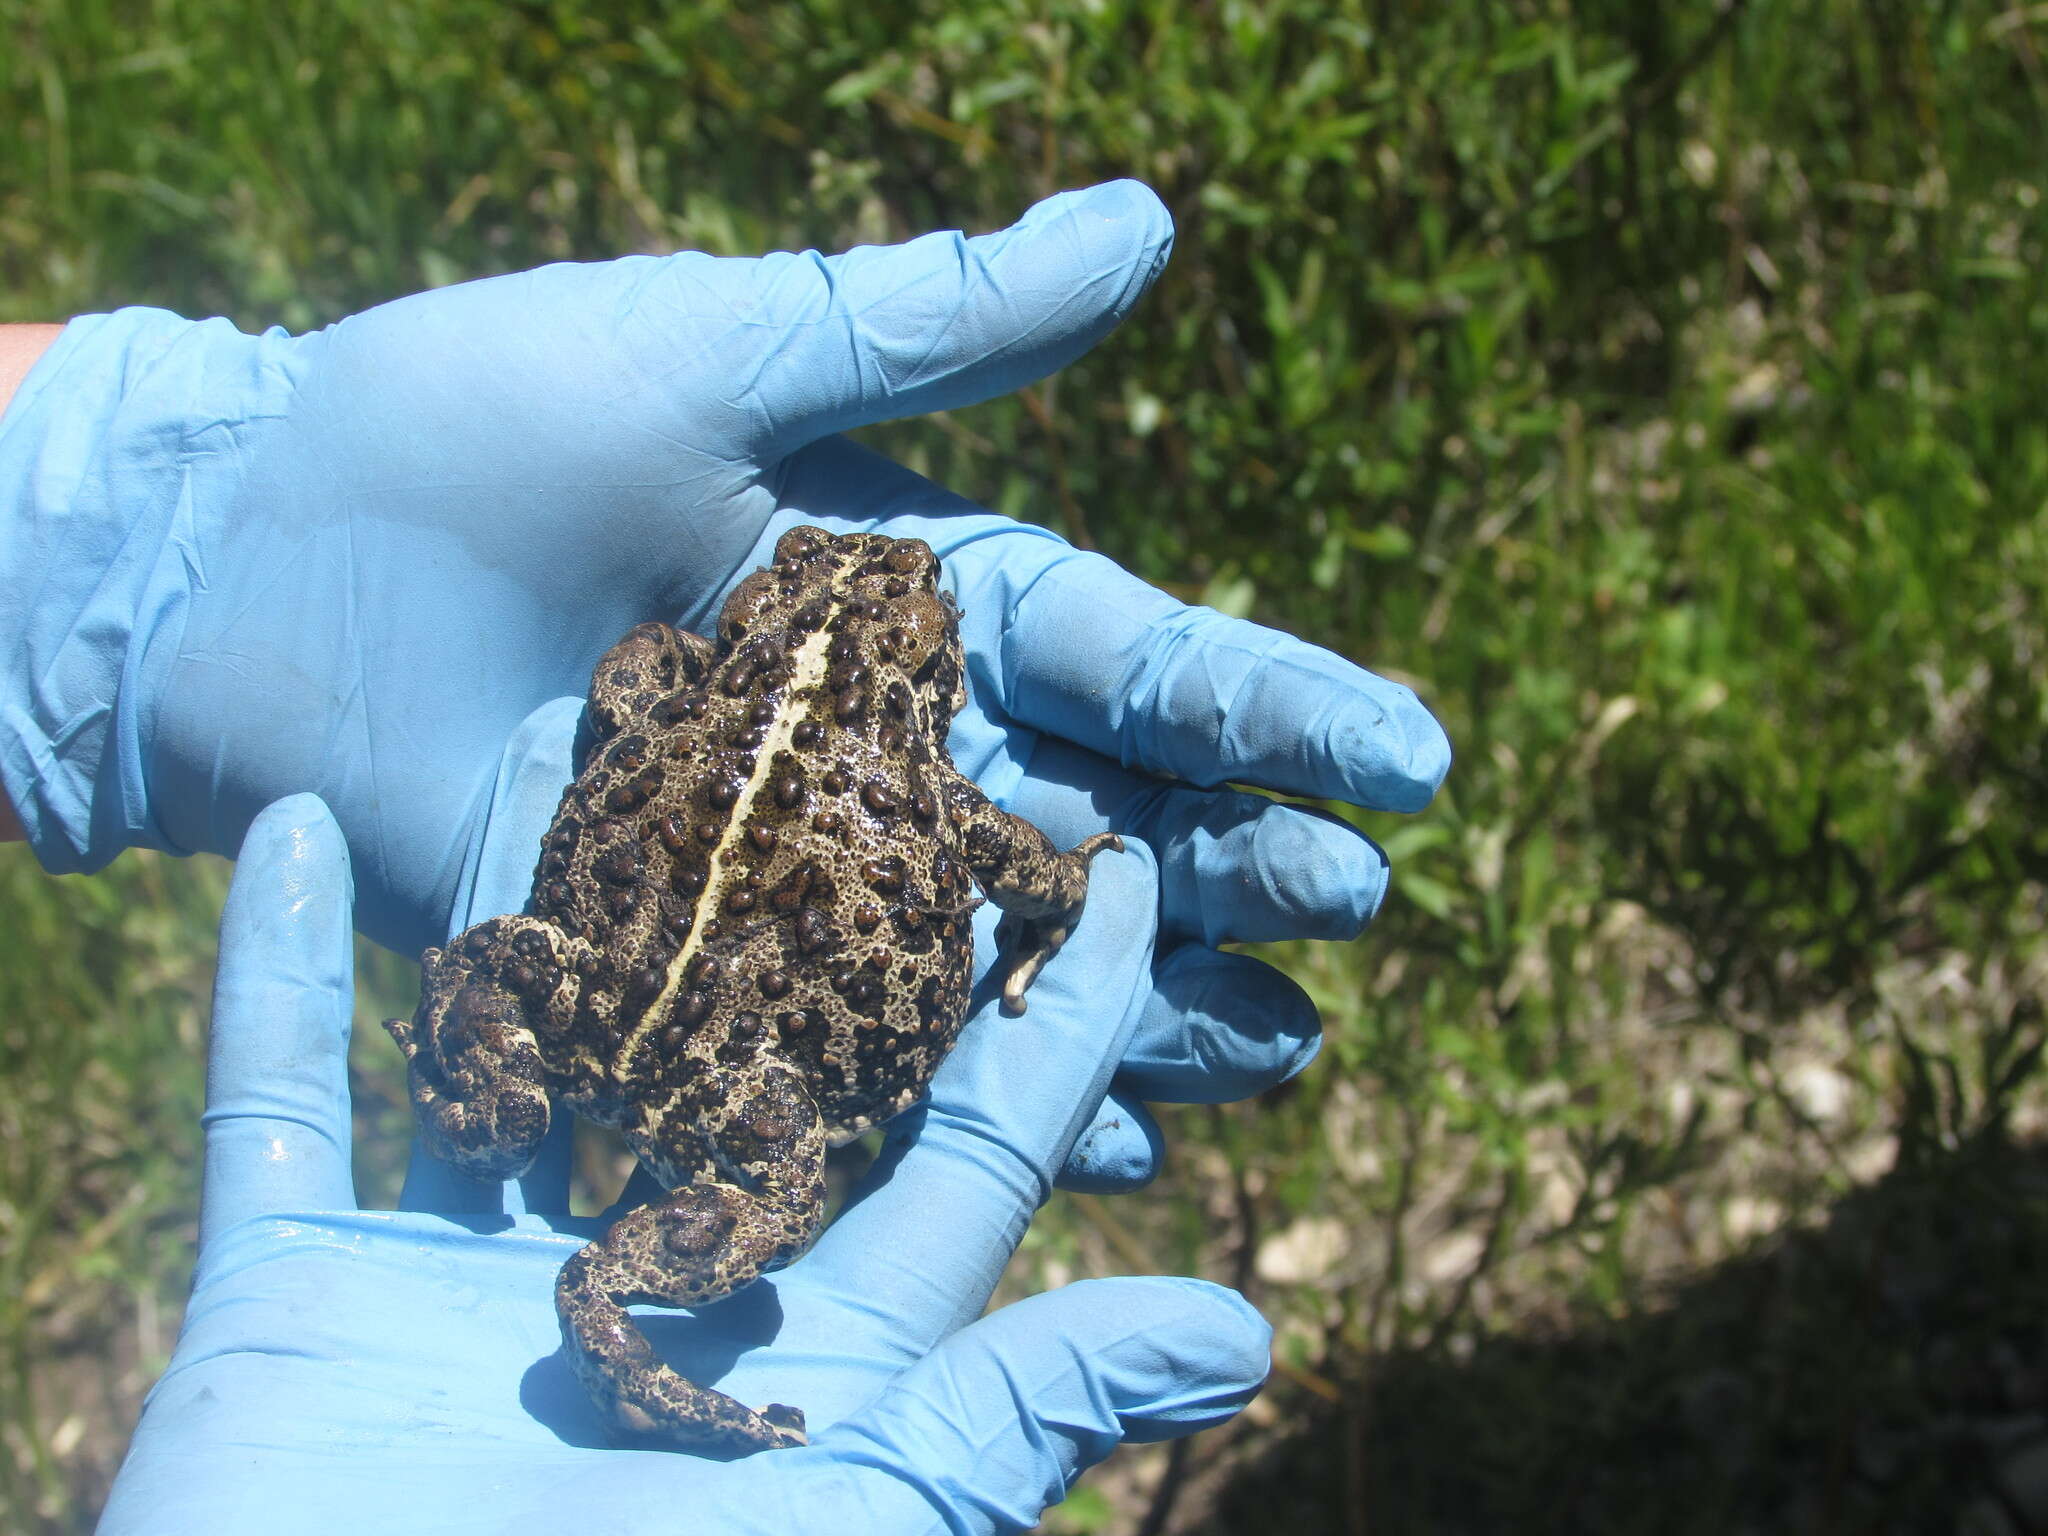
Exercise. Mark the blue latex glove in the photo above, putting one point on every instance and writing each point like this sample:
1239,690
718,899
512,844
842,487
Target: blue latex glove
396,1371
233,567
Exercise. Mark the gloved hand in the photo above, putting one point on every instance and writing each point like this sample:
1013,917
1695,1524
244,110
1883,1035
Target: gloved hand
233,567
396,1371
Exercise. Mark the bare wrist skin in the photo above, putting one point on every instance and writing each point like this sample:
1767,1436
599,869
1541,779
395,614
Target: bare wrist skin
20,346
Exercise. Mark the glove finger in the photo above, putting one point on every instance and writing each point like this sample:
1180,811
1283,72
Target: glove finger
1216,1028
1070,644
1095,656
944,320
1234,867
277,1104
995,1424
937,1218
1242,869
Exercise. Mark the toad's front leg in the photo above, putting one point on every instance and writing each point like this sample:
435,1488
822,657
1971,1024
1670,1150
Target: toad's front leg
703,1242
1040,889
649,661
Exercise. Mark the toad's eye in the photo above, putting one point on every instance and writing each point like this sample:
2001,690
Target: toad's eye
913,558
751,600
800,544
920,628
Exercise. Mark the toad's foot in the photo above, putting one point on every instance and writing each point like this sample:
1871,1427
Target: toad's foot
1040,889
1030,939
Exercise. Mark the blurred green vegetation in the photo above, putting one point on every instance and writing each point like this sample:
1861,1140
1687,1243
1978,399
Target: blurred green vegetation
1658,388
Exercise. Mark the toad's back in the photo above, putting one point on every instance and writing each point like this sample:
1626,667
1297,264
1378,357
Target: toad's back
748,937
763,837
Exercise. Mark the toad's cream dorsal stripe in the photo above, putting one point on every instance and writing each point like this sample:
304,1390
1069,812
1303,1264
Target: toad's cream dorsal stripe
806,672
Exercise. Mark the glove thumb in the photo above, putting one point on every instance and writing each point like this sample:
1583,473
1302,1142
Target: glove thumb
945,320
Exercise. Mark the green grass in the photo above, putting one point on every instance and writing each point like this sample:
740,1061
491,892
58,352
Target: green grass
1658,388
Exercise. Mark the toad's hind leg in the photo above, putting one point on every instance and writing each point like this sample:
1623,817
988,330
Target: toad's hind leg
472,1052
1040,889
701,1243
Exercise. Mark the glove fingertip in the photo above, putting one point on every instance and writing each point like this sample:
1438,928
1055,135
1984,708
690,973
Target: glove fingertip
1121,1150
1219,1349
1400,757
299,830
1123,222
